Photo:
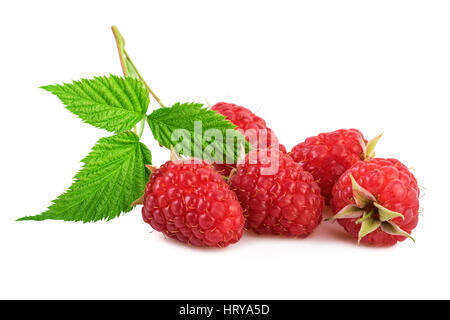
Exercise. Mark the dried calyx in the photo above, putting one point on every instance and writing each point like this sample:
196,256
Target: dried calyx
371,214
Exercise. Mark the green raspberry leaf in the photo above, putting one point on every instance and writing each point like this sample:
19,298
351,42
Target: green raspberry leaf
112,103
166,125
113,176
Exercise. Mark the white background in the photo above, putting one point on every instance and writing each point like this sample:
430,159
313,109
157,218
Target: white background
305,66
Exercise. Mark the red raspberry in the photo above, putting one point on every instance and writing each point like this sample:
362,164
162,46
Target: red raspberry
385,194
328,155
287,202
245,120
192,203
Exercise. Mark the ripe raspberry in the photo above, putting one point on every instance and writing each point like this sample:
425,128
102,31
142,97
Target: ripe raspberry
287,202
385,194
328,155
245,120
192,203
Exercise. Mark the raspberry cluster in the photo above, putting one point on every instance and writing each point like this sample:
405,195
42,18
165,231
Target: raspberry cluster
266,190
375,200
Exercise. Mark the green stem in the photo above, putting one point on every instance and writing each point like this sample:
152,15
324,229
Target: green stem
142,79
125,60
120,42
129,69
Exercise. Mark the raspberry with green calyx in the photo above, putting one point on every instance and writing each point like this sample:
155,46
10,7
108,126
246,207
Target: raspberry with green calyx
377,202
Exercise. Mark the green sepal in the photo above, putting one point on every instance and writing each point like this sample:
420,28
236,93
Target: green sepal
386,214
370,147
393,229
368,226
348,212
362,196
